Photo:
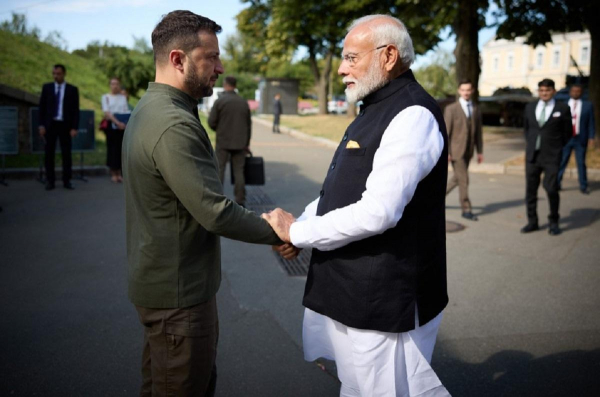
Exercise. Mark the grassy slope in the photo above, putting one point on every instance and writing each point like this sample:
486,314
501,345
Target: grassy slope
26,64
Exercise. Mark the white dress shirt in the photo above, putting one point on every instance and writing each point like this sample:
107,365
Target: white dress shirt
549,106
115,104
467,107
575,105
61,97
410,147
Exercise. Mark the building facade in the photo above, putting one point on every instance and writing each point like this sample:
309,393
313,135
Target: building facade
515,64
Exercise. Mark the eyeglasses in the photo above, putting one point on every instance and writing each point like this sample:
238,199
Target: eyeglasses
353,57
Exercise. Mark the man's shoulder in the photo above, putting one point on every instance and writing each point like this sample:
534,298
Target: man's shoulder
70,86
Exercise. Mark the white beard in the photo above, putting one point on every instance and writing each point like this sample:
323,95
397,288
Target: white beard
373,80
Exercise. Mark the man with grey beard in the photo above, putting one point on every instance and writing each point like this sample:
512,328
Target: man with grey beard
176,211
376,286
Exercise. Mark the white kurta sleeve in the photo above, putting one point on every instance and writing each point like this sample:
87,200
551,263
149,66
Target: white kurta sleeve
410,147
310,210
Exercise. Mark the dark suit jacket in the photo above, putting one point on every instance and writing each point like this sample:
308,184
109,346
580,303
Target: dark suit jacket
555,133
463,143
230,117
70,105
587,127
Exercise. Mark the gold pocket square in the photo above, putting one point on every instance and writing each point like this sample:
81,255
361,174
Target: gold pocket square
352,145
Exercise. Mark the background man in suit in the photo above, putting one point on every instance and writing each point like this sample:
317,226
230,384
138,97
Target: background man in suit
582,113
548,128
175,212
277,110
463,123
59,118
230,117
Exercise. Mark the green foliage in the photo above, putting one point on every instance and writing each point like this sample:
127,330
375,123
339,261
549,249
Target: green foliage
439,77
134,68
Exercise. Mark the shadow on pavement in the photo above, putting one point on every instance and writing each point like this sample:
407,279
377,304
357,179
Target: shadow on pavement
517,373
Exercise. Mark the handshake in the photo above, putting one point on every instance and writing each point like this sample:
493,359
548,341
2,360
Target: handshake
281,221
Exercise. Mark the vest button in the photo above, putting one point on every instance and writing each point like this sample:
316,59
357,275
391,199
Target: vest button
333,166
362,112
345,137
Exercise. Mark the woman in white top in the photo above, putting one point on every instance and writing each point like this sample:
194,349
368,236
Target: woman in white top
114,103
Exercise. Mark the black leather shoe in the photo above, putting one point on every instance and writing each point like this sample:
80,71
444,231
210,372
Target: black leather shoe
470,216
68,186
554,230
49,185
530,227
585,191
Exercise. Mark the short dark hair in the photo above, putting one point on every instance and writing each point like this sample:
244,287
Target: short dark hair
231,81
546,83
579,85
179,30
465,81
61,66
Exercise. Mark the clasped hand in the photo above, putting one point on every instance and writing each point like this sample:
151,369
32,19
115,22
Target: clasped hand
281,221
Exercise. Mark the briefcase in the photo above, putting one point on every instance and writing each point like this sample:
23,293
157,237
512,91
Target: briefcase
254,171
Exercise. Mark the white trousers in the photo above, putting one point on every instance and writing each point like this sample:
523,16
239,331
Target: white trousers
373,363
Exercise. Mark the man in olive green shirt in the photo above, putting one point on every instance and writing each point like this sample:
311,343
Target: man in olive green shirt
176,211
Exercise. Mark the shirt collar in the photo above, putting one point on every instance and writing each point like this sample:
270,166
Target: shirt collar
390,88
463,102
549,103
174,93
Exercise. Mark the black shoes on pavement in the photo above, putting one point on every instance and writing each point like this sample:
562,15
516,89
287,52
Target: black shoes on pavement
530,227
585,191
553,229
51,186
470,216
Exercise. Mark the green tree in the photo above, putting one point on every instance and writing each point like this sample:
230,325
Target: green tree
538,19
18,25
438,77
280,27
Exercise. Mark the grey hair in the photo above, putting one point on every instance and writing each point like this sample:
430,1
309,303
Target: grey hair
392,31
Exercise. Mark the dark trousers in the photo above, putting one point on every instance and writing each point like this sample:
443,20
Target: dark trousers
460,178
238,160
180,348
114,144
580,149
533,172
58,130
276,118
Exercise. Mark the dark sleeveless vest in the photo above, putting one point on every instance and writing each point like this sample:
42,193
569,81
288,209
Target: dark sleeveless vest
376,282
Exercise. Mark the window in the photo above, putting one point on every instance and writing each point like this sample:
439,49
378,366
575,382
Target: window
496,62
584,56
510,61
539,62
556,58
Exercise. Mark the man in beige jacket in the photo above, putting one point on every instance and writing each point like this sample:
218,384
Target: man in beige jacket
463,122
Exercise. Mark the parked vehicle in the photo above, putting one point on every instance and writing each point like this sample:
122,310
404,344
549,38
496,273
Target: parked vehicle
338,105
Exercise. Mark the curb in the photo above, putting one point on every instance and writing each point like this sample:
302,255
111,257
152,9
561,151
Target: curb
34,173
297,134
485,168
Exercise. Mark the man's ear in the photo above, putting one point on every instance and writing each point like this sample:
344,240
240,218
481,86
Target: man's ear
392,57
176,59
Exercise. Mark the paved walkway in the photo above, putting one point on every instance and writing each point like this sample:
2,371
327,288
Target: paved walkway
522,318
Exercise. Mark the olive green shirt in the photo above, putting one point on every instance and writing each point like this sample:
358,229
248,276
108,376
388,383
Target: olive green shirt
175,207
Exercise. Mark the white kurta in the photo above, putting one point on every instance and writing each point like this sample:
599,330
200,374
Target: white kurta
372,363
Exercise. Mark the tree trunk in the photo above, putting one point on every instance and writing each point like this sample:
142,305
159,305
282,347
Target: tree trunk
466,28
351,110
594,85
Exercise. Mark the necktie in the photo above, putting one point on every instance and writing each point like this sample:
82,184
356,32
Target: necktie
469,110
541,122
574,114
56,101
